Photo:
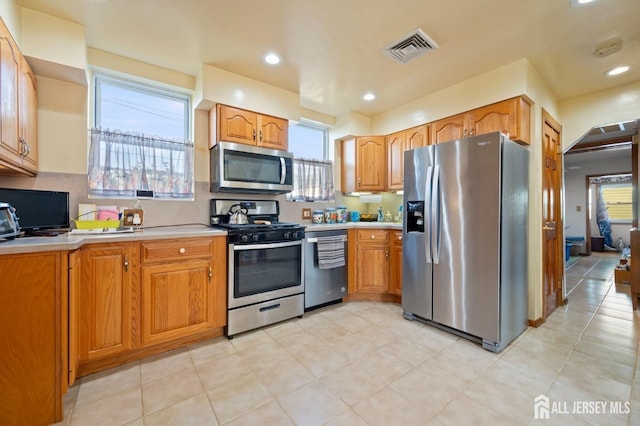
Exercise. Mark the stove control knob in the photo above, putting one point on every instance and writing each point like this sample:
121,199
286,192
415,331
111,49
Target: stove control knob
296,235
287,235
244,238
255,237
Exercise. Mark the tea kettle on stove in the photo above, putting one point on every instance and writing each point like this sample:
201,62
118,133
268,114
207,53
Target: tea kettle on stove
238,215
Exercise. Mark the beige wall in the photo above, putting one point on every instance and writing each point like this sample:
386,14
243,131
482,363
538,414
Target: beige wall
10,14
580,114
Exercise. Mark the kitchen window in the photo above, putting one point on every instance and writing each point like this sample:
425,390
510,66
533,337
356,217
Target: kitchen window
140,141
312,169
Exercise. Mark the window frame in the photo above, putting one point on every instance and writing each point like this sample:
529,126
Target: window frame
141,87
149,88
629,203
325,138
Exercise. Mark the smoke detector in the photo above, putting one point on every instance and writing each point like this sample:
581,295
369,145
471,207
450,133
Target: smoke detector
411,46
608,47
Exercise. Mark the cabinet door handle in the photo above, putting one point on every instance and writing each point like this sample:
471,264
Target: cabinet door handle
182,250
464,134
126,263
254,135
471,132
373,237
386,254
210,273
260,135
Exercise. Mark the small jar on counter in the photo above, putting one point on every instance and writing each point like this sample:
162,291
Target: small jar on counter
330,215
318,216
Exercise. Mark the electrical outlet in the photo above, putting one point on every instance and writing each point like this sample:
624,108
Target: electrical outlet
306,213
132,217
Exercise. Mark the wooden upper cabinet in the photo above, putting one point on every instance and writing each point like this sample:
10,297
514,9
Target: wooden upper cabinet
417,137
236,125
397,144
18,110
371,167
511,117
250,128
448,129
273,132
9,71
364,165
28,117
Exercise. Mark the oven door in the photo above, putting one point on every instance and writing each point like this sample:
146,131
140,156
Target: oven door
266,271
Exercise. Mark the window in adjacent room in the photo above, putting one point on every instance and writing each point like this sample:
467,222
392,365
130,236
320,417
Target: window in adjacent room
617,199
140,141
312,169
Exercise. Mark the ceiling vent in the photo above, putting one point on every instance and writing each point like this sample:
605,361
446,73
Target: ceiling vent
410,47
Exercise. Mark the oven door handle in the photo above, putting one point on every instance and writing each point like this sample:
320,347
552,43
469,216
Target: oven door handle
262,246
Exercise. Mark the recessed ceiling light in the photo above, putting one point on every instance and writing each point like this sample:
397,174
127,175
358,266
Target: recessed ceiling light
580,2
369,97
272,59
617,71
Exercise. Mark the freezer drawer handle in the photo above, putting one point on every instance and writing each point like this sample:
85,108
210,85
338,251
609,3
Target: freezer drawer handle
270,307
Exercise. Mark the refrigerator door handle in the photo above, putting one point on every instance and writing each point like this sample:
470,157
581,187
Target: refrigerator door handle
427,213
435,234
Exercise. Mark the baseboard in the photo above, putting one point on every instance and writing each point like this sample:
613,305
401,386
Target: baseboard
536,323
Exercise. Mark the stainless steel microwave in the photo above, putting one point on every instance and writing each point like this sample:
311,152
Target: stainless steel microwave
250,169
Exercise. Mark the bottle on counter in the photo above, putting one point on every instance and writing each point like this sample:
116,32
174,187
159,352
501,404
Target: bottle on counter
380,216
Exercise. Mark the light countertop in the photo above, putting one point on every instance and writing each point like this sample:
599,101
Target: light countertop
70,241
349,225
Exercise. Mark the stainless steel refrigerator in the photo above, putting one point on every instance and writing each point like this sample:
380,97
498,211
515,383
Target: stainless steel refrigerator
464,245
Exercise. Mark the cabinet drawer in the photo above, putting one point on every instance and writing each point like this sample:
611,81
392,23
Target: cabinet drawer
396,236
153,251
373,235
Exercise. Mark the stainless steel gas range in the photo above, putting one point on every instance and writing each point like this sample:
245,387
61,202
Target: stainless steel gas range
265,264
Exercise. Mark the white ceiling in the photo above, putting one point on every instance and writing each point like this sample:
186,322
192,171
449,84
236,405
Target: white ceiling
331,49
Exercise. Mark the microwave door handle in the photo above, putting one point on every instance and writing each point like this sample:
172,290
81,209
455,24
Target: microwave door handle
283,171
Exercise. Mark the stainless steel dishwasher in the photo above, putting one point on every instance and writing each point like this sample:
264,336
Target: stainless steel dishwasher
323,286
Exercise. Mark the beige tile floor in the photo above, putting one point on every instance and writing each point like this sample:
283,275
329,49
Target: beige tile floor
361,363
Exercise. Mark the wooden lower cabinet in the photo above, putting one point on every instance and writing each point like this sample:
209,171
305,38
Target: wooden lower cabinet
181,297
105,311
372,273
32,292
395,269
138,299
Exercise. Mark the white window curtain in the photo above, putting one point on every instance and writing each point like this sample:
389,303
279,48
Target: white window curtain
122,162
313,181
